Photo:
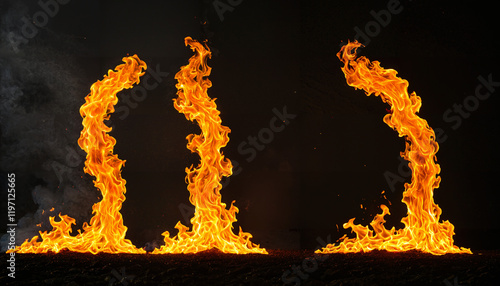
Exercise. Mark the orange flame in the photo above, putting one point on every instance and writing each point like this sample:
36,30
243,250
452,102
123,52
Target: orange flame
106,232
212,222
422,231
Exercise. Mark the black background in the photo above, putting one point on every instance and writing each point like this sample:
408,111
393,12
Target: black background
314,174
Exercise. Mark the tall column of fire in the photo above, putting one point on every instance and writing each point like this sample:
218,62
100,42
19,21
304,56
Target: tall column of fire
423,231
212,222
106,231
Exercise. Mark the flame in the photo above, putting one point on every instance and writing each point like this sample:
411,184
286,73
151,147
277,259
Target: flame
106,232
212,222
422,230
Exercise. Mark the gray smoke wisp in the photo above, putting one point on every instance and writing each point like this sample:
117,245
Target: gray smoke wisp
41,92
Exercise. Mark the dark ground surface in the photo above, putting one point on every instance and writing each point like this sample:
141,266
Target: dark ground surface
375,268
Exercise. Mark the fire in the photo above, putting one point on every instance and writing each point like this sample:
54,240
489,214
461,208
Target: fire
423,231
106,232
212,222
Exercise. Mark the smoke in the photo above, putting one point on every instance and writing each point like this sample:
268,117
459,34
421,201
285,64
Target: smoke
41,91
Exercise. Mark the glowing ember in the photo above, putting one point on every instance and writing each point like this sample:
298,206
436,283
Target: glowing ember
422,231
106,232
212,222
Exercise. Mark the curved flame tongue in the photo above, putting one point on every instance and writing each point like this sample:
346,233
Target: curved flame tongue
106,232
422,231
212,222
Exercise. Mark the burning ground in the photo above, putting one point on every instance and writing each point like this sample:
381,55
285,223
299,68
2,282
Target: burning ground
278,268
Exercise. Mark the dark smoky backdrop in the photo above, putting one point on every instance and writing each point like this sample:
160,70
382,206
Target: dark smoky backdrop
309,152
